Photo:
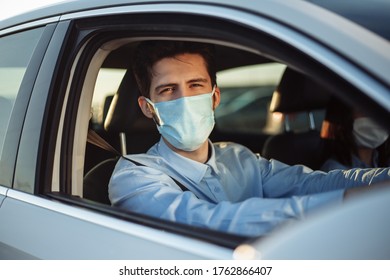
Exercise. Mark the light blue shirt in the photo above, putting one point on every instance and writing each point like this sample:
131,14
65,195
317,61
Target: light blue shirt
235,191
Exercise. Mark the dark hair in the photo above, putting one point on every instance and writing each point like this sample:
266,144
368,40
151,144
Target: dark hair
148,53
341,144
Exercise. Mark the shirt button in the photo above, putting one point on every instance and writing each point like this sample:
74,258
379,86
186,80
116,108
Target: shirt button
217,190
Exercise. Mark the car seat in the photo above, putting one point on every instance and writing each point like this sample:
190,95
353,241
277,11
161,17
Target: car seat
135,132
297,93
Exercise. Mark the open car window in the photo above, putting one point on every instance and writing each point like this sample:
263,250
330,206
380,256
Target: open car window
244,115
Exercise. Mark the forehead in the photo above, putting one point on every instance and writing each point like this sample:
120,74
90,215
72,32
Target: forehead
180,64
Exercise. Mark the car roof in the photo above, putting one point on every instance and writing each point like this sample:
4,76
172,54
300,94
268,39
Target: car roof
313,21
372,14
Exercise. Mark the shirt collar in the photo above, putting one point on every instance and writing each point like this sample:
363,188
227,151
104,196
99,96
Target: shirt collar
212,162
191,169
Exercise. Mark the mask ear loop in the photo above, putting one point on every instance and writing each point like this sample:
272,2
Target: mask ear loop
212,95
156,117
213,91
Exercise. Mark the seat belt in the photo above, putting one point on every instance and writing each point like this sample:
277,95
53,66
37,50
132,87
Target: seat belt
95,139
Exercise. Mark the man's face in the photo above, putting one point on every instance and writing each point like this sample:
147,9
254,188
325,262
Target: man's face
183,75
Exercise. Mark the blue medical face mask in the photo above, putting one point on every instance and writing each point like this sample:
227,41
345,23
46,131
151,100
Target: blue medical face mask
186,122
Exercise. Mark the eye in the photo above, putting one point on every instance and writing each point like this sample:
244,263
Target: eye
167,90
196,85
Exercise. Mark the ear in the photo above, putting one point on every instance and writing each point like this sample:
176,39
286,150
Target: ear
145,107
216,98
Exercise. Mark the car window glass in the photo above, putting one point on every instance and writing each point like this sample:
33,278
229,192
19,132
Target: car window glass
106,85
15,53
246,94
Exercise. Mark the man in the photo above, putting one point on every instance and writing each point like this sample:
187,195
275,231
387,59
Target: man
229,188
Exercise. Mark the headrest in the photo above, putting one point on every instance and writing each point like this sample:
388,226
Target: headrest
297,92
124,113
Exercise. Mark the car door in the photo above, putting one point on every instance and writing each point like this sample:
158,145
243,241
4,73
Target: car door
40,207
21,54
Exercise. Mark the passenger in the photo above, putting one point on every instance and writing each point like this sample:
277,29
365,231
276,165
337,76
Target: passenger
230,189
353,140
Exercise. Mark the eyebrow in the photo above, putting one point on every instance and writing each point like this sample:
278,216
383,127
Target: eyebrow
196,80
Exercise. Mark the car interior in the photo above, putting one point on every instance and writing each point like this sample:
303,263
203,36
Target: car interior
295,94
295,104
